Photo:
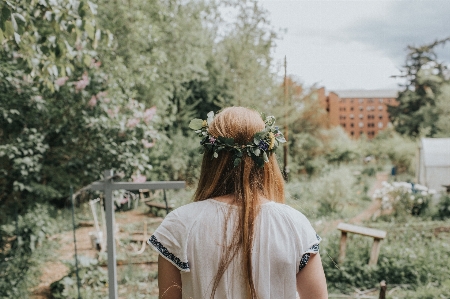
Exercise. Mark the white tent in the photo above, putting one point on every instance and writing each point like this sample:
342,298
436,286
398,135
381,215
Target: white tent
433,169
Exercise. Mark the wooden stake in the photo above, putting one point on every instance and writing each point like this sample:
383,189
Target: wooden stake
375,251
342,247
383,288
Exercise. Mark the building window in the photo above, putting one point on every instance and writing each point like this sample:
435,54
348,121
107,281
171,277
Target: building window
352,116
360,133
352,125
380,116
351,108
361,124
370,100
361,101
351,101
380,107
361,108
352,133
381,101
380,125
343,125
361,116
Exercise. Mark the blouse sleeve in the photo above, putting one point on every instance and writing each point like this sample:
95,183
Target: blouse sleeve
309,240
170,240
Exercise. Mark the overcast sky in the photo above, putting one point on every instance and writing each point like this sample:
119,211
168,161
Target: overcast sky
357,44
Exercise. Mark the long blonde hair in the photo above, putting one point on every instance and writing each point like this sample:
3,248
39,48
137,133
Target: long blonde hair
247,182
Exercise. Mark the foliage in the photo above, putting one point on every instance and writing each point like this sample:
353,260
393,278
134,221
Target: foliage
403,198
443,108
404,258
187,60
392,148
24,247
417,112
93,281
59,126
325,194
444,206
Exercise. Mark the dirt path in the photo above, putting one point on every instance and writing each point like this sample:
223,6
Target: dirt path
373,208
56,269
363,215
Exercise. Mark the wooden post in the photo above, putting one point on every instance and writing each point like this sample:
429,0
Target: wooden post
342,247
285,146
110,241
375,252
383,288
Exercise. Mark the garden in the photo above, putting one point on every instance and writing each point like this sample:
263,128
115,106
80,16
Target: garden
87,86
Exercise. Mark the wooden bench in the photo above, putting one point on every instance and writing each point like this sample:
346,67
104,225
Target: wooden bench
376,234
154,204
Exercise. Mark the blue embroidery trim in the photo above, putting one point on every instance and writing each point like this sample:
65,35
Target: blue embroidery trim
306,256
168,254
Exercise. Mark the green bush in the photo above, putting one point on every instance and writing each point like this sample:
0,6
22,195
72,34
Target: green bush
24,248
93,281
429,291
444,206
333,190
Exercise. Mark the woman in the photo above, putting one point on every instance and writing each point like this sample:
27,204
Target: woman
237,240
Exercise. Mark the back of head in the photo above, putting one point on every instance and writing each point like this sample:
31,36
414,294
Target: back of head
219,176
247,182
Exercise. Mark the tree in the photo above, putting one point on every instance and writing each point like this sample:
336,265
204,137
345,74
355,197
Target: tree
59,126
416,112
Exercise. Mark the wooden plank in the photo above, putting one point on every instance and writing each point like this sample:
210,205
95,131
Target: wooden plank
342,246
157,205
375,252
136,186
365,231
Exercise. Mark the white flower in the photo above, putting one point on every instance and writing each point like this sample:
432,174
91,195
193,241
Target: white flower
420,200
424,193
412,197
210,117
420,187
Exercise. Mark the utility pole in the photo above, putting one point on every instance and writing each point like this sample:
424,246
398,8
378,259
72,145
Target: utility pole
285,146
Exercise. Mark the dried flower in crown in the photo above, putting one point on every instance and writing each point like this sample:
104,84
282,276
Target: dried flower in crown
264,142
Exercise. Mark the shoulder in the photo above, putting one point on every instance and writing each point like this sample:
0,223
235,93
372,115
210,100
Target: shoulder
188,213
289,212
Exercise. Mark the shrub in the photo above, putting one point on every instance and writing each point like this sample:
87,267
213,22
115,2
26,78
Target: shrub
333,190
444,206
24,248
404,198
93,281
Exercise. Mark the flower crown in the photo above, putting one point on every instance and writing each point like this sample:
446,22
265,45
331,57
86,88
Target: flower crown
264,142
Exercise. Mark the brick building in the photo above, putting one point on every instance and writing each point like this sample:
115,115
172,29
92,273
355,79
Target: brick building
358,111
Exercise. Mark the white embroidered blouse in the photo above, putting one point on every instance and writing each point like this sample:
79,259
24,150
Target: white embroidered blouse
191,238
